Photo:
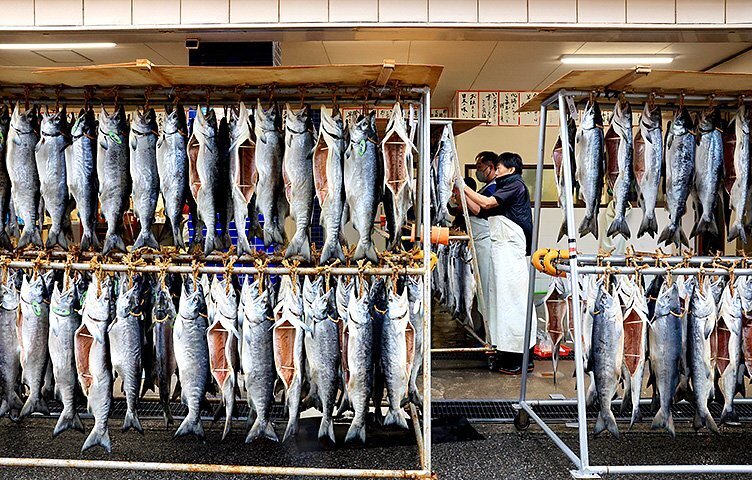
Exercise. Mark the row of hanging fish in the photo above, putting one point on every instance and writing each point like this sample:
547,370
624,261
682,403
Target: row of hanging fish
699,156
453,281
223,170
443,176
74,339
690,337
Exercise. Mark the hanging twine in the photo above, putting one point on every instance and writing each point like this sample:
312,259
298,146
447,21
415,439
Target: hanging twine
261,266
4,264
229,262
96,266
41,260
196,266
163,263
361,276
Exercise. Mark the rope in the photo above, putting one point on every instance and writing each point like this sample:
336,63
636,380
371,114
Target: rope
261,266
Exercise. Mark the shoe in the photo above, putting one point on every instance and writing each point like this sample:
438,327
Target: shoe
530,362
510,371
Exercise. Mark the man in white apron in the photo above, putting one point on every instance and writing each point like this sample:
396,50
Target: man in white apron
510,230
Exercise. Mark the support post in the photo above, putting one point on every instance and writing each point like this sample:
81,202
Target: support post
426,225
534,246
583,471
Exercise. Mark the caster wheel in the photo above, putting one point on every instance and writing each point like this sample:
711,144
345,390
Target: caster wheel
521,420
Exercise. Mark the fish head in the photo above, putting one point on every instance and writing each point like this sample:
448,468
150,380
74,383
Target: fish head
668,298
163,305
33,289
63,300
144,122
224,297
129,299
9,296
25,121
415,288
298,120
622,118
591,116
651,116
174,119
399,305
710,119
54,124
357,308
682,123
363,128
238,122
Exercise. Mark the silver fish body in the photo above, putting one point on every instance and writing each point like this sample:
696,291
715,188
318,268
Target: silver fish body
445,167
298,174
649,178
740,198
242,162
363,183
33,331
588,153
51,167
257,360
270,194
124,336
680,171
666,351
635,322
10,367
192,356
165,366
728,345
397,350
606,356
145,175
397,150
172,169
329,182
5,184
359,371
64,321
415,295
621,122
113,172
708,172
24,178
93,360
81,167
322,348
205,180
702,320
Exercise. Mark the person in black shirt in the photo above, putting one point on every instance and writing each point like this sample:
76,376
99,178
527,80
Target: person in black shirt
511,226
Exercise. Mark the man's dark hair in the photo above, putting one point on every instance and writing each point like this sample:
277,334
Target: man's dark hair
470,182
486,157
510,160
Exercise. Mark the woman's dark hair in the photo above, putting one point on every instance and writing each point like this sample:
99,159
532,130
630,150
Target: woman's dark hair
510,160
486,157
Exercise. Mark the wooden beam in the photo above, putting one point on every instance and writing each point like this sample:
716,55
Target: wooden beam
627,79
386,71
152,71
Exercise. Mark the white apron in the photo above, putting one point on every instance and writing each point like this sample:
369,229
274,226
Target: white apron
482,240
508,286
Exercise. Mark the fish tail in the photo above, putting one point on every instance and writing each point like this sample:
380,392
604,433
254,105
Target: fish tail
365,249
273,233
332,250
291,430
211,242
191,426
166,411
562,230
673,234
299,246
31,235
606,421
729,414
326,429
356,433
661,419
34,404
146,239
56,238
649,225
5,240
415,397
589,225
395,417
619,227
131,421
243,246
737,231
98,436
69,419
113,241
177,234
261,429
89,240
10,404
706,225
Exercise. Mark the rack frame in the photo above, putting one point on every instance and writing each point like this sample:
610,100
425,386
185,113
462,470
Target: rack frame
577,266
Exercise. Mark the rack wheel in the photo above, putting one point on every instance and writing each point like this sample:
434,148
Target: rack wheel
521,420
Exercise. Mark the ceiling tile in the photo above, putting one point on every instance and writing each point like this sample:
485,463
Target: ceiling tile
303,53
367,51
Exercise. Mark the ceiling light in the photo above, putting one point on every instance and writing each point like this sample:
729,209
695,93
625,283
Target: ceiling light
616,59
55,46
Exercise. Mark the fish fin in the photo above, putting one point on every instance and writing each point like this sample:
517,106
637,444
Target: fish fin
243,246
649,225
365,249
619,226
737,231
31,235
34,404
191,426
589,225
89,240
729,415
562,230
331,250
261,429
56,238
356,433
299,246
146,239
709,326
96,437
131,421
68,420
211,242
705,226
290,432
15,404
326,430
394,417
113,242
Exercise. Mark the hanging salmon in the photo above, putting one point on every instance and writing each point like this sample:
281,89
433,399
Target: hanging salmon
726,348
243,173
557,313
328,180
397,151
204,177
635,322
558,158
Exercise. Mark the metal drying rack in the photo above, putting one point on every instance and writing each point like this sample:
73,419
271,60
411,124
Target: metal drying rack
365,95
584,265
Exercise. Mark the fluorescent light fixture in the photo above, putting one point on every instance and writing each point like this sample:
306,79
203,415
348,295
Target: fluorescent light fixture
55,46
616,59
